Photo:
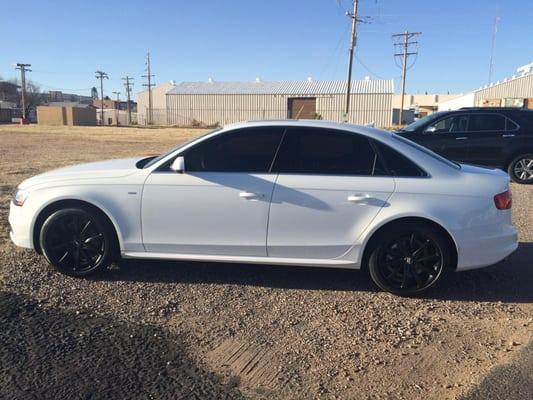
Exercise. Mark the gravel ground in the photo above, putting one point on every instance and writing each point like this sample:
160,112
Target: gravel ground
198,330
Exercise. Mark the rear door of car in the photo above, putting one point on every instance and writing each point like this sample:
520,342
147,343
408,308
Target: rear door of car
492,138
327,192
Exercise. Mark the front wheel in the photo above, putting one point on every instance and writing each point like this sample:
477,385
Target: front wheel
76,242
521,169
409,260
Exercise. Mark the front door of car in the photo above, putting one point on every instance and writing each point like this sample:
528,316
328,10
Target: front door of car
326,194
448,137
492,138
219,205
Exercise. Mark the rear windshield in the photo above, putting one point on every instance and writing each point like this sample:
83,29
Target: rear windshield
426,151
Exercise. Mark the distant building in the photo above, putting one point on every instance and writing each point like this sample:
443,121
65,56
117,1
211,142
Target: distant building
159,104
66,115
210,103
418,105
114,104
516,91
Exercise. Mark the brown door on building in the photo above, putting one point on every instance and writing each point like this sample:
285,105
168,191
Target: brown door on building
302,108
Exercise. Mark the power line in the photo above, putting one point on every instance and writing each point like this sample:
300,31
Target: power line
23,69
101,75
403,41
128,85
149,77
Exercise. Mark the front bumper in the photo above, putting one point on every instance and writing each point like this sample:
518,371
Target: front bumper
19,227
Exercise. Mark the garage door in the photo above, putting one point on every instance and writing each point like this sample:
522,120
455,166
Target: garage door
302,108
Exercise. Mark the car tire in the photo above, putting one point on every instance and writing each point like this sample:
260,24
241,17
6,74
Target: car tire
77,241
521,169
409,259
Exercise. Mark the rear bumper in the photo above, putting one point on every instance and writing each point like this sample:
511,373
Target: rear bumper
481,249
19,227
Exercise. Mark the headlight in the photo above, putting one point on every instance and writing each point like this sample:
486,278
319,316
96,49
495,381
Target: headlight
20,197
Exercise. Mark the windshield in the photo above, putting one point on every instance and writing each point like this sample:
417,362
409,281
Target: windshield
169,152
420,122
425,150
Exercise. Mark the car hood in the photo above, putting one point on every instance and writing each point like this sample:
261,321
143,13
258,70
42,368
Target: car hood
94,170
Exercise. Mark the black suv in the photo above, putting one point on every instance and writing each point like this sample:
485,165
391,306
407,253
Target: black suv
495,137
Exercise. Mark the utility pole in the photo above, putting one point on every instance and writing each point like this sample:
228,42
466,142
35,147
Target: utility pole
492,46
353,16
149,77
403,41
128,85
101,75
23,69
117,107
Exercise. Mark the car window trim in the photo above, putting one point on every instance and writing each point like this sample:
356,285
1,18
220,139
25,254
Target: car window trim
424,175
505,117
446,117
165,167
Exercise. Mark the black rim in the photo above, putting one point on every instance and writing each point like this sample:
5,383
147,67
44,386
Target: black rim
75,242
410,262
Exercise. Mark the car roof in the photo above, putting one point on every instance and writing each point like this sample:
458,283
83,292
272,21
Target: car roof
311,123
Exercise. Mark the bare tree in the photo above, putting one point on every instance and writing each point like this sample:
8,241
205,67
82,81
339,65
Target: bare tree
34,96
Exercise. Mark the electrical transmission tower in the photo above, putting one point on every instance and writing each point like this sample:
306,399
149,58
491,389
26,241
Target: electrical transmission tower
23,69
492,47
128,84
149,84
101,75
403,42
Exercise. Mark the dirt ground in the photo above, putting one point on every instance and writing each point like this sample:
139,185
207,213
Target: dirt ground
200,330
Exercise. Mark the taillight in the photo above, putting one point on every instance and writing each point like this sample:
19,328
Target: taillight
504,200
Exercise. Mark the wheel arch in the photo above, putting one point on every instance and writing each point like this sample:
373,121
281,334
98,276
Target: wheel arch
59,204
515,154
374,234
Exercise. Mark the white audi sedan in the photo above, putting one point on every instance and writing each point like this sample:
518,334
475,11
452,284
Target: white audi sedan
304,193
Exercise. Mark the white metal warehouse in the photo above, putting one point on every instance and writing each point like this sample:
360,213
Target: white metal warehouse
209,103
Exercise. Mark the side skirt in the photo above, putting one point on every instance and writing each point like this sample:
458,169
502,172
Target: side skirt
307,262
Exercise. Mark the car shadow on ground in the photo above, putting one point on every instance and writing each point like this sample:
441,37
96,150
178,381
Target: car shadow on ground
53,354
508,281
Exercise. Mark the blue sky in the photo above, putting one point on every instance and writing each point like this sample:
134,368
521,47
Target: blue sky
66,41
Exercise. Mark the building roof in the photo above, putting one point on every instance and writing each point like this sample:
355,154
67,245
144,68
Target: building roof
308,87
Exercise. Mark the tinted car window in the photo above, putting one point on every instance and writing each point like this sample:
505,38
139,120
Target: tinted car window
457,123
397,164
246,150
324,151
486,122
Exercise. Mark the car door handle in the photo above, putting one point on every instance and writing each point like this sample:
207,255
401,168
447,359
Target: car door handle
508,135
461,138
358,198
250,195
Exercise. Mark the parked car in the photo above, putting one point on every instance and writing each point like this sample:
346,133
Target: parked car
280,192
493,137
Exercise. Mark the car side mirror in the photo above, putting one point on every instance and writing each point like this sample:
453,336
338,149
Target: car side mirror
178,165
430,129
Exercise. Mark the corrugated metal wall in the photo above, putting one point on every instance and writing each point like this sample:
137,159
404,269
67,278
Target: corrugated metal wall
210,109
521,87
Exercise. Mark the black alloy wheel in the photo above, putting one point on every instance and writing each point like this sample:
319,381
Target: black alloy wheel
76,242
409,261
521,169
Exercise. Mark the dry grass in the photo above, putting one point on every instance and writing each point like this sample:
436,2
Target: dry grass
32,149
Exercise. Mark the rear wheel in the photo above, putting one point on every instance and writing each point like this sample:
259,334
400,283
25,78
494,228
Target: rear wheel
76,241
409,260
521,169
